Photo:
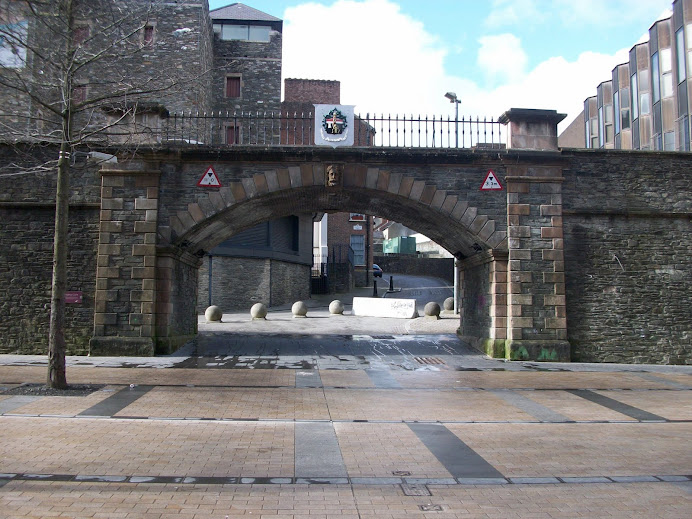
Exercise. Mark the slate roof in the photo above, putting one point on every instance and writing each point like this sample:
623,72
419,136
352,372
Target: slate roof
238,11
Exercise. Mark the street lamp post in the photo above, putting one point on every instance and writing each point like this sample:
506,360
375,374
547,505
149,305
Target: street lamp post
454,99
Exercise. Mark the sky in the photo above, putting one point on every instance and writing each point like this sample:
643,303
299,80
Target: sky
402,56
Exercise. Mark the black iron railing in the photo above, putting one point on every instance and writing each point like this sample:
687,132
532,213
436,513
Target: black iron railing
297,129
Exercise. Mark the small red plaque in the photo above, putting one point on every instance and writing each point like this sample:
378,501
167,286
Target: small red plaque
73,297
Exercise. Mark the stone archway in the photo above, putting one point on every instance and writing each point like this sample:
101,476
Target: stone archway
156,223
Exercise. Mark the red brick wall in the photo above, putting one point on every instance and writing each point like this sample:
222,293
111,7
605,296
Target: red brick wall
315,91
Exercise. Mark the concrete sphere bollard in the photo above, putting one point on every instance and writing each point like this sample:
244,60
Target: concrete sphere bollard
432,310
299,309
258,311
448,305
213,314
336,307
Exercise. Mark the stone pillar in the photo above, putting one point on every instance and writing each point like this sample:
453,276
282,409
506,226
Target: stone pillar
537,324
483,308
124,314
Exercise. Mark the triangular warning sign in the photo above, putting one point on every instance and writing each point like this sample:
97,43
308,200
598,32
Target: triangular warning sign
209,179
491,183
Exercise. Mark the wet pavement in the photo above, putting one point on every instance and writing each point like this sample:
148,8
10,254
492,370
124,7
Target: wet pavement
358,418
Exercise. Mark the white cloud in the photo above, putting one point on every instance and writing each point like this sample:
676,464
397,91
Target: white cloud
595,13
501,57
388,63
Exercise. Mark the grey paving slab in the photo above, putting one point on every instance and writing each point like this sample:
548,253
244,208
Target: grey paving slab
14,402
662,380
317,452
117,402
615,405
383,379
308,378
538,411
460,460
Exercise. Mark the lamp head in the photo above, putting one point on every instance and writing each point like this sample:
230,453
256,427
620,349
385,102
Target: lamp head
451,96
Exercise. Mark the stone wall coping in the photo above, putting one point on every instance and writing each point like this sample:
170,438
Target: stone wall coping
531,115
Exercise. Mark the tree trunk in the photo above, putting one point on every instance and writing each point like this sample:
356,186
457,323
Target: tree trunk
57,377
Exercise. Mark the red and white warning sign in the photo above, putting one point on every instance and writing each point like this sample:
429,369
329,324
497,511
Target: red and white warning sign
491,183
209,179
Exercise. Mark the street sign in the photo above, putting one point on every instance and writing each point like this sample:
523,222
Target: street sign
209,179
491,183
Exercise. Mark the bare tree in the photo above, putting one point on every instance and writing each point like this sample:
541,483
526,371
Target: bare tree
73,70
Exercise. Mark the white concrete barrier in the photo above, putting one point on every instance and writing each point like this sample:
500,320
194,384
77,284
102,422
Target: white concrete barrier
384,307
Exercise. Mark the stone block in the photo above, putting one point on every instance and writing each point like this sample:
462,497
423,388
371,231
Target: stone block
551,210
260,183
112,203
196,212
111,226
143,250
383,180
520,209
112,181
394,183
100,346
146,203
143,272
417,190
406,186
306,176
384,307
108,319
551,232
371,178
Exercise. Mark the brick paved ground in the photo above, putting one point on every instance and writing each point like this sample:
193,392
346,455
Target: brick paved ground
206,441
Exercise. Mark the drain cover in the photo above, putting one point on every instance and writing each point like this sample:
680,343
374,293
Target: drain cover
382,336
415,490
429,360
430,508
401,473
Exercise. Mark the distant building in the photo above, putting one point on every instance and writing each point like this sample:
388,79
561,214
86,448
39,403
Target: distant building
646,103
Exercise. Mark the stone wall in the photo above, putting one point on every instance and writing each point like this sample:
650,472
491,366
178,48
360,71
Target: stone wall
628,257
239,283
26,242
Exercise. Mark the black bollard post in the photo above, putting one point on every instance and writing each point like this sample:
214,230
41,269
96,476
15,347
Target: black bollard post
374,288
391,283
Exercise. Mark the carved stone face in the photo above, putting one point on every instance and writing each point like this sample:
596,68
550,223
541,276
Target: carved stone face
333,175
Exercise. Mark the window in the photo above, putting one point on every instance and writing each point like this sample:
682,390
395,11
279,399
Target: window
616,107
601,128
635,96
148,35
625,108
80,34
232,89
655,78
680,54
669,141
608,120
358,246
356,217
666,73
645,103
257,33
594,132
232,134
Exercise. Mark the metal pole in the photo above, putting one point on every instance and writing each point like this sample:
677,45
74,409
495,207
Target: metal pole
209,280
456,287
456,121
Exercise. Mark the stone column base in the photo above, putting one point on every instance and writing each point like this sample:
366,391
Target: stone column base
538,350
494,348
168,345
121,347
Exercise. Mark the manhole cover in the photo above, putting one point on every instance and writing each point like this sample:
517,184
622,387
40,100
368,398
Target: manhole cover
429,360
